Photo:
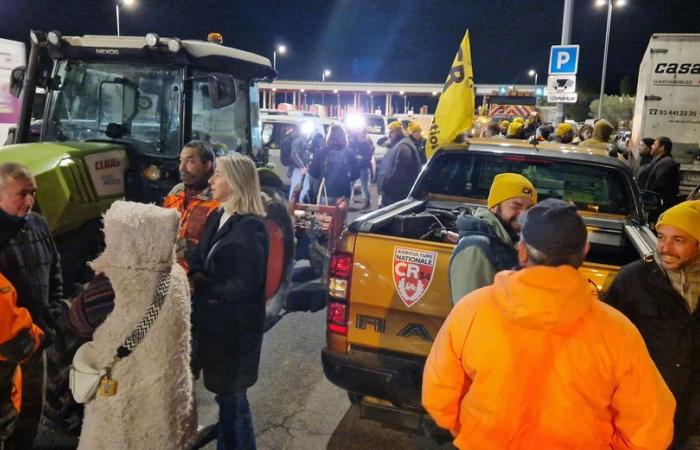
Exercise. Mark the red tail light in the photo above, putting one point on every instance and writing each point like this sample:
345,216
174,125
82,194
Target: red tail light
341,265
340,273
337,317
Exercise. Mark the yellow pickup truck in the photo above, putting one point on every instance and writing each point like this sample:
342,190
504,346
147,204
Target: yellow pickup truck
388,289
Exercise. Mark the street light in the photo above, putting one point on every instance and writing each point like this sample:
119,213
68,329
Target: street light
605,52
326,73
533,73
118,3
281,49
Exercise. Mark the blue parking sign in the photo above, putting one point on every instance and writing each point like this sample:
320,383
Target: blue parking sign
563,60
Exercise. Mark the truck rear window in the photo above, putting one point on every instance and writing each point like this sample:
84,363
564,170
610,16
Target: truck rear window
592,188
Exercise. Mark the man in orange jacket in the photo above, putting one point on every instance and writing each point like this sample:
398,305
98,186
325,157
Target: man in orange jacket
19,339
192,197
534,361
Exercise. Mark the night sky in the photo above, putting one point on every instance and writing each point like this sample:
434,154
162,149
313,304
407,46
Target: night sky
381,40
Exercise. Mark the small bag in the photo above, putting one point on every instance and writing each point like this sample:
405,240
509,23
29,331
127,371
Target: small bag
85,374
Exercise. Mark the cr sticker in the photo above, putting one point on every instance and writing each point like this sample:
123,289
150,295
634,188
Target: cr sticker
413,272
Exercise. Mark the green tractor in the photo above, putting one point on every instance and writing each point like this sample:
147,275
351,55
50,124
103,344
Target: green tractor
117,112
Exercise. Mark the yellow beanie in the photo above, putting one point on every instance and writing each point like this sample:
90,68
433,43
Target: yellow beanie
685,216
413,127
519,120
395,125
510,185
563,129
514,128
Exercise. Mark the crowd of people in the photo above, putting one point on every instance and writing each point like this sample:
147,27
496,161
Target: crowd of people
652,163
192,275
326,169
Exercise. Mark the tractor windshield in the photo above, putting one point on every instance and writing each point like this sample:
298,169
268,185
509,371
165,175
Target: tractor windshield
98,100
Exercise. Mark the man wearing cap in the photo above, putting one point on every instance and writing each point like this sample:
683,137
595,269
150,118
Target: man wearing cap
415,133
660,297
536,361
399,167
487,238
564,134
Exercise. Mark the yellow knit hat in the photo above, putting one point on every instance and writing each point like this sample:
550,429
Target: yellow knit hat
563,129
413,127
510,185
685,216
519,120
395,125
514,128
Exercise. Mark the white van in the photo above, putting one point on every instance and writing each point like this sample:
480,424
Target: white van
274,128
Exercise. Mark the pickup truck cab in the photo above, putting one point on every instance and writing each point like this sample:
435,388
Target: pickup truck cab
388,279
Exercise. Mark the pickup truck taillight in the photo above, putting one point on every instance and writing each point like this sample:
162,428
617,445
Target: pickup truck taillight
340,272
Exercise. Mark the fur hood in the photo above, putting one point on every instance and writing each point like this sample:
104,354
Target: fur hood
154,405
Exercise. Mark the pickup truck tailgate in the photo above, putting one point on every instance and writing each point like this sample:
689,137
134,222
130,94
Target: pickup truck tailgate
399,293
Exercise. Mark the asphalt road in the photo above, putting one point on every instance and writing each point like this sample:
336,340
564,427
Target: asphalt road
295,407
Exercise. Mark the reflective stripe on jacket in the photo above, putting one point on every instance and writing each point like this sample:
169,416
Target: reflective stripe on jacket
193,215
535,362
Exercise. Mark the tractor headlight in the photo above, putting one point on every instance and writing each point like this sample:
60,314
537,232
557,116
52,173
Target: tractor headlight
152,39
37,37
55,38
174,45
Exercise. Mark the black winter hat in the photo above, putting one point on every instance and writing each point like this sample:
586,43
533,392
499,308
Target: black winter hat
554,228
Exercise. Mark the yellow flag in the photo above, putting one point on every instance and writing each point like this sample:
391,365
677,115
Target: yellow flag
455,109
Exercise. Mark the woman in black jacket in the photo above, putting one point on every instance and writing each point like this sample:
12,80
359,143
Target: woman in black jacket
228,276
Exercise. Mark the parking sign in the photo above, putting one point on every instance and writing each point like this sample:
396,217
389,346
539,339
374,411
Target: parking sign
563,59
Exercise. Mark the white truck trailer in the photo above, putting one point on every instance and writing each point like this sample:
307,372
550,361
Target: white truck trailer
12,54
668,100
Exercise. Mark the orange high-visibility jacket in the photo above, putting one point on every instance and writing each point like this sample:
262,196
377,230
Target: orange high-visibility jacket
193,215
19,337
535,362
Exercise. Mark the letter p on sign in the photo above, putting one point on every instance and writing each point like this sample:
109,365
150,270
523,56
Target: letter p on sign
563,60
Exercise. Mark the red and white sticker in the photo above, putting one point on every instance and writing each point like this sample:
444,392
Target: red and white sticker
413,273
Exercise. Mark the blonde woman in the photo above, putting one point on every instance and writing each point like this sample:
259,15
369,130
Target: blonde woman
228,275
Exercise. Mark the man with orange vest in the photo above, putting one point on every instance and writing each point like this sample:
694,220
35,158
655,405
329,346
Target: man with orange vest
19,339
534,361
192,197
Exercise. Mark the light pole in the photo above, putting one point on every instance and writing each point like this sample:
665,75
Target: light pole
281,49
326,73
117,3
533,73
567,21
605,52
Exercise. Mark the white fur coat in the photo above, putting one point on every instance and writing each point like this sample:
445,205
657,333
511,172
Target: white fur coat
154,406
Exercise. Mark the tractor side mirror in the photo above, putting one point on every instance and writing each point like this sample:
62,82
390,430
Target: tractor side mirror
222,89
17,80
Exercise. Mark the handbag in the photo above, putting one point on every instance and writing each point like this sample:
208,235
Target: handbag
86,375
